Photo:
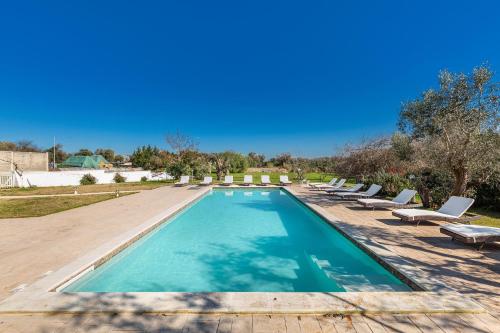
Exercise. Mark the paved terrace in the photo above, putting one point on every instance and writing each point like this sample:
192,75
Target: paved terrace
31,247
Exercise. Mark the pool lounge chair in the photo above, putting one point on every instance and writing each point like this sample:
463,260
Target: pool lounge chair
330,183
372,190
451,211
228,180
264,180
207,180
351,189
471,234
284,180
247,180
402,199
183,181
336,187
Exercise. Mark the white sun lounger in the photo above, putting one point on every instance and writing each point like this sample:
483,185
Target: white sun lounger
247,180
284,180
351,189
471,234
372,190
207,180
451,211
335,187
183,181
330,183
403,198
264,180
228,180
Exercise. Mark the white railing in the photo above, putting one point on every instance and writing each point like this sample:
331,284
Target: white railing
6,180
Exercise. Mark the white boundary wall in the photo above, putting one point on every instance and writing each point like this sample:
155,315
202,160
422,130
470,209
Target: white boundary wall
72,178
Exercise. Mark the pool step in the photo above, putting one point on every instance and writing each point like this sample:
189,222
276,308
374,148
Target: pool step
353,282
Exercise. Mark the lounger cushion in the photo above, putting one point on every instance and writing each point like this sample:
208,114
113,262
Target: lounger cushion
421,214
350,194
378,202
466,230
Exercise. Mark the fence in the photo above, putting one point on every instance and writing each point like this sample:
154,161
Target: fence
6,180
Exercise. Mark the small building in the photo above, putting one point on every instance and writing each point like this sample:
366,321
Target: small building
86,162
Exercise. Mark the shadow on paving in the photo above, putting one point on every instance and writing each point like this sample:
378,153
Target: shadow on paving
138,319
472,274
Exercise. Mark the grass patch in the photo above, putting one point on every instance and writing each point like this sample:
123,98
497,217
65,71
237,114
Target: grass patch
488,217
29,207
83,188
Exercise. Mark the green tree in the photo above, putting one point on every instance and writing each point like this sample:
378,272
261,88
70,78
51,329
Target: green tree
84,152
149,158
119,159
256,160
61,155
282,160
237,162
458,124
323,165
221,164
108,154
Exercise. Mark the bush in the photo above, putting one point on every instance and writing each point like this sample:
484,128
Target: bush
487,193
88,179
391,183
119,178
178,169
144,179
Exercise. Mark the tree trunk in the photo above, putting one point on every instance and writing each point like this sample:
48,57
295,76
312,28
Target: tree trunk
425,196
460,182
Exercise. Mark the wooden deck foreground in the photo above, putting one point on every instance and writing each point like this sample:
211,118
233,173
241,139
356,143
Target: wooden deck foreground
472,273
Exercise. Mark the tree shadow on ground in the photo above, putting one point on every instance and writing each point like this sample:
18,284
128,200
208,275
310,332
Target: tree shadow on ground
105,312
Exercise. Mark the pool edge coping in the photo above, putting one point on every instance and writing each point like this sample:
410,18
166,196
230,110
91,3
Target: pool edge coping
40,297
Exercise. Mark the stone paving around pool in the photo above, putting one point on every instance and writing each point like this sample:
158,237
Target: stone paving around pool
31,248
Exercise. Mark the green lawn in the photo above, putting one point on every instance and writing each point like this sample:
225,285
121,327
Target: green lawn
488,217
28,207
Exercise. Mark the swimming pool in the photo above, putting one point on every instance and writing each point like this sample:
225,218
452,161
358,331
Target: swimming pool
241,240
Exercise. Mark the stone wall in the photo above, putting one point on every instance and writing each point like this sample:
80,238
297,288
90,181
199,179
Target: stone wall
26,161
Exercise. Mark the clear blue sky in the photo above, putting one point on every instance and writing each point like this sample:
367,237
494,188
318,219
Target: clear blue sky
268,76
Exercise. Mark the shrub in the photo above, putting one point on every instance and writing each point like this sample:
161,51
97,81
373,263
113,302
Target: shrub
391,183
88,179
144,179
119,178
487,193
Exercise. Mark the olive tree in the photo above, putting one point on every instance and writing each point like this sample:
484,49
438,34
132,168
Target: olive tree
221,164
457,124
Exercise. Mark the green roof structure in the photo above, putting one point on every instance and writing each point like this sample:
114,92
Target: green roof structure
86,162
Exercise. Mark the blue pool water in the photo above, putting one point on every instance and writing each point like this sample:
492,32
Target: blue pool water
241,240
